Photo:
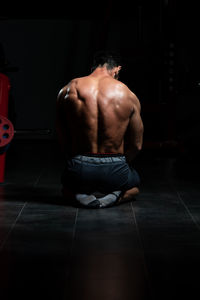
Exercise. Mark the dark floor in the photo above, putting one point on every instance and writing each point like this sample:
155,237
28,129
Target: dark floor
148,249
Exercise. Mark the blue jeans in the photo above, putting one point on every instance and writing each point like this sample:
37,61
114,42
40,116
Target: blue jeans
99,172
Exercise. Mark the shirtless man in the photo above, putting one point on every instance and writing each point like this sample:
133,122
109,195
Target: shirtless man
101,131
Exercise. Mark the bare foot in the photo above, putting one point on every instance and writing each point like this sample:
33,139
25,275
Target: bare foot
129,195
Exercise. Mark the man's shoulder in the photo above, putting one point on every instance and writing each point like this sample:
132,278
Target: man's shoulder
129,94
67,88
118,86
135,102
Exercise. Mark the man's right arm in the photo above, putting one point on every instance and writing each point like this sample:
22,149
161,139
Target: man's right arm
61,126
134,135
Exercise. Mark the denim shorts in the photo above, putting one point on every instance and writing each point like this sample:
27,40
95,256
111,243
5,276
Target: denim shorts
99,172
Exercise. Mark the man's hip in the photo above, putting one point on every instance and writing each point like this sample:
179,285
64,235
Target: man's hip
99,172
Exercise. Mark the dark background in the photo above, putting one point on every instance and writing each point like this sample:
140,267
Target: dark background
43,48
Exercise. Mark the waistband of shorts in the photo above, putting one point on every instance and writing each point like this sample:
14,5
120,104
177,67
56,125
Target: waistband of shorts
100,158
90,154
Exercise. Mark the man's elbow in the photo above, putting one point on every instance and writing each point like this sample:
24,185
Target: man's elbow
138,147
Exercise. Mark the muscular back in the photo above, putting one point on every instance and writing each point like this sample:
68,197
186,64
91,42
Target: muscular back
94,113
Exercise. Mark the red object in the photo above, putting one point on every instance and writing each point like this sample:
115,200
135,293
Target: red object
6,132
4,95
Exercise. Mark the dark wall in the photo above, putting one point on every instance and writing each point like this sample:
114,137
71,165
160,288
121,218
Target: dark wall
43,51
49,52
159,45
188,83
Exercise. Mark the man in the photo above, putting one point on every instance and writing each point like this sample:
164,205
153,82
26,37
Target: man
100,130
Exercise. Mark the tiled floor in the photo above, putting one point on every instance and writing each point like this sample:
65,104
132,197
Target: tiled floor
148,249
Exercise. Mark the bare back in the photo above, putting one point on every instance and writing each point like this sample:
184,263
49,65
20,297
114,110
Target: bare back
94,113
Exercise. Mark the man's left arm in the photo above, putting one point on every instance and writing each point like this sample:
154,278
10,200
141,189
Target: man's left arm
134,134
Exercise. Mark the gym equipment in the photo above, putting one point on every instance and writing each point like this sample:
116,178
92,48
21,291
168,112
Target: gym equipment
6,133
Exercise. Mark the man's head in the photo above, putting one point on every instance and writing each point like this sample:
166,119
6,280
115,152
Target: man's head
109,60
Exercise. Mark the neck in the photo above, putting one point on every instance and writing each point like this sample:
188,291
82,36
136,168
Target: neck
101,71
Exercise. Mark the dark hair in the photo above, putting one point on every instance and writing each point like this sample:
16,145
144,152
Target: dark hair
109,58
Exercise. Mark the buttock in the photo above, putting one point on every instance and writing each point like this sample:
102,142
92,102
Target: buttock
103,173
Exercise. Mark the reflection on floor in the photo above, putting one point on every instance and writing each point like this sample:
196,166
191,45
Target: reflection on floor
148,249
